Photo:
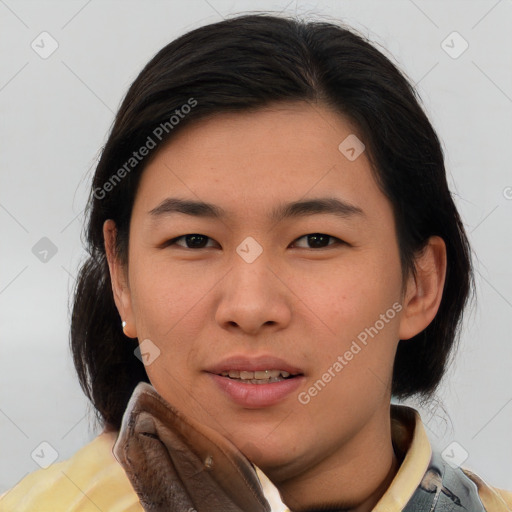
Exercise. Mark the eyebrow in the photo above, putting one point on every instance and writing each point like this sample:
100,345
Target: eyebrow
323,205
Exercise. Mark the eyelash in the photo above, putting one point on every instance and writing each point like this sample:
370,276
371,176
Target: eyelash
338,241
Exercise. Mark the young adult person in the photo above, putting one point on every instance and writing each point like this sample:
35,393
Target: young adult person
273,254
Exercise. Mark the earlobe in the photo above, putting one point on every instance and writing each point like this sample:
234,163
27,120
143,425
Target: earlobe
425,290
118,278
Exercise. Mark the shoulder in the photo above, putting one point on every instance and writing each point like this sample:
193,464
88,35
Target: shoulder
493,499
91,479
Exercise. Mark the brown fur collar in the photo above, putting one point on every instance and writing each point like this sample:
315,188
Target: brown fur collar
176,464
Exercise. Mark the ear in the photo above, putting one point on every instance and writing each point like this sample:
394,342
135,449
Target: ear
119,279
424,292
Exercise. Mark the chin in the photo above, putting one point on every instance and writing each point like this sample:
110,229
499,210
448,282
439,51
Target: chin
266,456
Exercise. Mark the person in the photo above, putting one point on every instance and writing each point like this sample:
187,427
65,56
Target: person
274,253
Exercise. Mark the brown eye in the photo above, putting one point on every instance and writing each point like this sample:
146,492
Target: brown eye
192,241
319,240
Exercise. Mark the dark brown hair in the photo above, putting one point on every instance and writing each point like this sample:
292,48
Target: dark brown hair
245,63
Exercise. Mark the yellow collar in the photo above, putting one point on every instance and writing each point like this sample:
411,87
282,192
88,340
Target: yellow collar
409,437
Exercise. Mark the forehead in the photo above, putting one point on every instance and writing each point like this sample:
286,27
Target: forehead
258,160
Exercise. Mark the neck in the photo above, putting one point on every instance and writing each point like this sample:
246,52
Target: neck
352,479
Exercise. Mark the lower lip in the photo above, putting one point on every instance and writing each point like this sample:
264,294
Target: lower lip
257,395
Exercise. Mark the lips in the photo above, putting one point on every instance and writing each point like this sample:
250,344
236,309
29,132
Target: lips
256,382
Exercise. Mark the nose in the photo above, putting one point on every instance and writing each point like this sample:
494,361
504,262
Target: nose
254,298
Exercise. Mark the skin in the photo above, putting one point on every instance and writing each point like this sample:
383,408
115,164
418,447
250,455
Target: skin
303,303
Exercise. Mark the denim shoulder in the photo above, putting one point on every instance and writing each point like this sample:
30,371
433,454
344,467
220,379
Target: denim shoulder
445,488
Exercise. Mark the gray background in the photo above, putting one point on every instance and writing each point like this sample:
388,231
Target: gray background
56,113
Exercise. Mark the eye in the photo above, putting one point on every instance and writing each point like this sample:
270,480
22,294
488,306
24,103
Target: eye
192,241
319,240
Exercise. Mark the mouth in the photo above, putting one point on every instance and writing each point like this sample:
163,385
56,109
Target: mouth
256,382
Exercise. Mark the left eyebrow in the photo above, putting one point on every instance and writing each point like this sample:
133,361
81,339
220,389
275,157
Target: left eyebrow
323,205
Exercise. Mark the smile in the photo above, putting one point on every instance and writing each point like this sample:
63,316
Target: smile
257,377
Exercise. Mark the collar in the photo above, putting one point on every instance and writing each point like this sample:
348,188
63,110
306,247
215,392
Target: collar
409,437
411,444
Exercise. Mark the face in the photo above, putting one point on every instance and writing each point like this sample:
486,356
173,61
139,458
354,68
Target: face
314,291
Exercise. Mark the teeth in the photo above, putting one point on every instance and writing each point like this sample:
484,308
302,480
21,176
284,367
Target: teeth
263,375
267,374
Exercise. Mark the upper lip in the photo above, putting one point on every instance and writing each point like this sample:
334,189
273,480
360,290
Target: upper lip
253,364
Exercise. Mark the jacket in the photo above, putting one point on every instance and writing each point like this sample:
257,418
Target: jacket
162,460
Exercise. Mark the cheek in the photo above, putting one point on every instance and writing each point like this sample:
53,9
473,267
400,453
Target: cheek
167,308
166,300
349,295
356,319
355,341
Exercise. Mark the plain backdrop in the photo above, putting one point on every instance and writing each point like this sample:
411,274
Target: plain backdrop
55,115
